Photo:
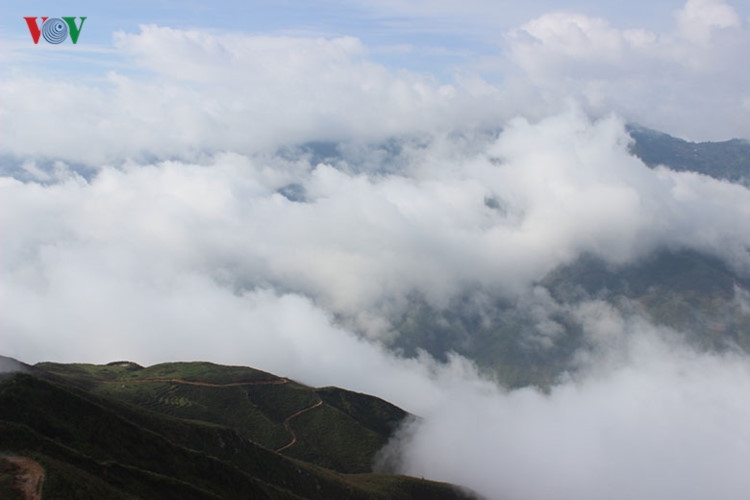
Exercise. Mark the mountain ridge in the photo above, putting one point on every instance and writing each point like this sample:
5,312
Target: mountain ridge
95,442
724,160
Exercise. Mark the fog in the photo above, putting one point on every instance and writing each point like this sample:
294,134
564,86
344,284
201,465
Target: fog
10,365
495,214
658,421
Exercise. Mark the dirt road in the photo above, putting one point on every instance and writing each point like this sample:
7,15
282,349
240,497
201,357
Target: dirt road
279,381
30,477
288,427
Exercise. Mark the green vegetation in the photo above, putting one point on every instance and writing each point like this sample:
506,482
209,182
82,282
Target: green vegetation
114,432
335,440
208,373
373,413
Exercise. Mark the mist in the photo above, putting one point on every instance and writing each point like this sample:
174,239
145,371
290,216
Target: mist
650,419
495,214
179,261
10,365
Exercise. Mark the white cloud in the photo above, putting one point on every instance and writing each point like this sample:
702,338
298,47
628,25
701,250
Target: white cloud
362,242
662,422
685,80
699,18
464,213
181,93
191,91
201,56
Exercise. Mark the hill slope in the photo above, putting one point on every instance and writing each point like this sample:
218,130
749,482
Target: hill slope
178,431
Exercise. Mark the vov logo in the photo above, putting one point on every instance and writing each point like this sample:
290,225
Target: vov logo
55,29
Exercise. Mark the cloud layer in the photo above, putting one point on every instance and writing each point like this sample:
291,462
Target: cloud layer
684,80
193,92
658,421
469,212
180,93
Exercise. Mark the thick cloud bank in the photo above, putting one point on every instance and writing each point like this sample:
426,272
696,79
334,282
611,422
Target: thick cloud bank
655,421
461,212
180,93
682,78
206,92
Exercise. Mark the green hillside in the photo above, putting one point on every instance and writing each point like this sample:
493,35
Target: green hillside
196,430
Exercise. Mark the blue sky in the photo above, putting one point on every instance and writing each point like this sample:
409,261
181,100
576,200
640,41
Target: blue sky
371,69
439,33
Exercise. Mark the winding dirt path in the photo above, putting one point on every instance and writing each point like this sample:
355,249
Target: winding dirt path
30,479
288,427
278,381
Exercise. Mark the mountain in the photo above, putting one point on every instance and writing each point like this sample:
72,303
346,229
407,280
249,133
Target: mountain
195,430
698,295
727,160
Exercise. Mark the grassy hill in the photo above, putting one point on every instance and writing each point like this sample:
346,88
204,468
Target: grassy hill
196,430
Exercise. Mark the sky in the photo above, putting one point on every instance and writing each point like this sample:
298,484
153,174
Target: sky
667,65
160,201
